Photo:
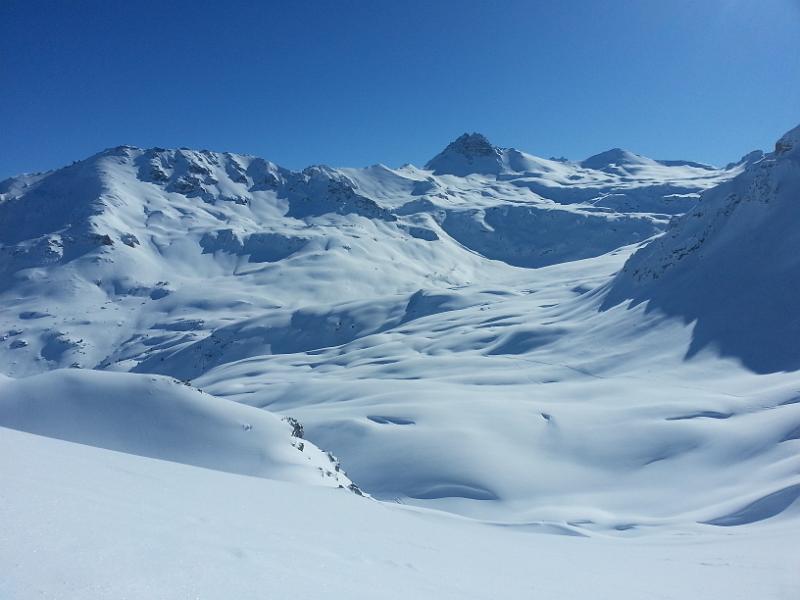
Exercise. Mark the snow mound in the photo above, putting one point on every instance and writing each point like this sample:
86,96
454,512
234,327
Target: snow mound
162,418
616,158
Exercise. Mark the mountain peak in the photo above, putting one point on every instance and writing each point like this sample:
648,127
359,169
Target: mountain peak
467,154
472,144
609,158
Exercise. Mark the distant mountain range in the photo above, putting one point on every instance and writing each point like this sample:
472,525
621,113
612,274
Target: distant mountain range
132,223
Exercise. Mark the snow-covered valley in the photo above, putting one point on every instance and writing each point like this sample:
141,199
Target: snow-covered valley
494,375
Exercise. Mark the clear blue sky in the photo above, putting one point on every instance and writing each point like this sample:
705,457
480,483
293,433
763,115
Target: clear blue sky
356,83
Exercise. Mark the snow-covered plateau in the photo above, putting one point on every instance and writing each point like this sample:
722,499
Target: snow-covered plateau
494,376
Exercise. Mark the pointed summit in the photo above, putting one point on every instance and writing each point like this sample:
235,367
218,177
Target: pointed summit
469,153
471,145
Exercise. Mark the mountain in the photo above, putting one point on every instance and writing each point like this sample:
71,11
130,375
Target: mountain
141,234
495,345
474,154
730,265
617,158
621,160
615,179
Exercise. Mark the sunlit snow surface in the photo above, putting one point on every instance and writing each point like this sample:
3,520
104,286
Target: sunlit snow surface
84,523
463,338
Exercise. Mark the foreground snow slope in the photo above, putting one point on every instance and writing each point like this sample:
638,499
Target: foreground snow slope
84,523
164,419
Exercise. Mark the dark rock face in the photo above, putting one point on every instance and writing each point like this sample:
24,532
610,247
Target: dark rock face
472,144
469,153
297,426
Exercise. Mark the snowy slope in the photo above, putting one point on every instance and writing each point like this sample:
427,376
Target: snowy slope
171,244
731,265
495,336
85,523
595,417
614,180
164,419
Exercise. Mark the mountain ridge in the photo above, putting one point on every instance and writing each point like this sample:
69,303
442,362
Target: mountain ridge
135,223
733,254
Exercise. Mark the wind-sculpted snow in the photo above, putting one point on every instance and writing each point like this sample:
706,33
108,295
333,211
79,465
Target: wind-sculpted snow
524,405
311,328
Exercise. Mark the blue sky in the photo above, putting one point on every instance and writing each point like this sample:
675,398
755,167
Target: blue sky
356,83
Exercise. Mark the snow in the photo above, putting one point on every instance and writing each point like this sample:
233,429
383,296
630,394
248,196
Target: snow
144,235
731,265
164,419
595,416
533,368
84,523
